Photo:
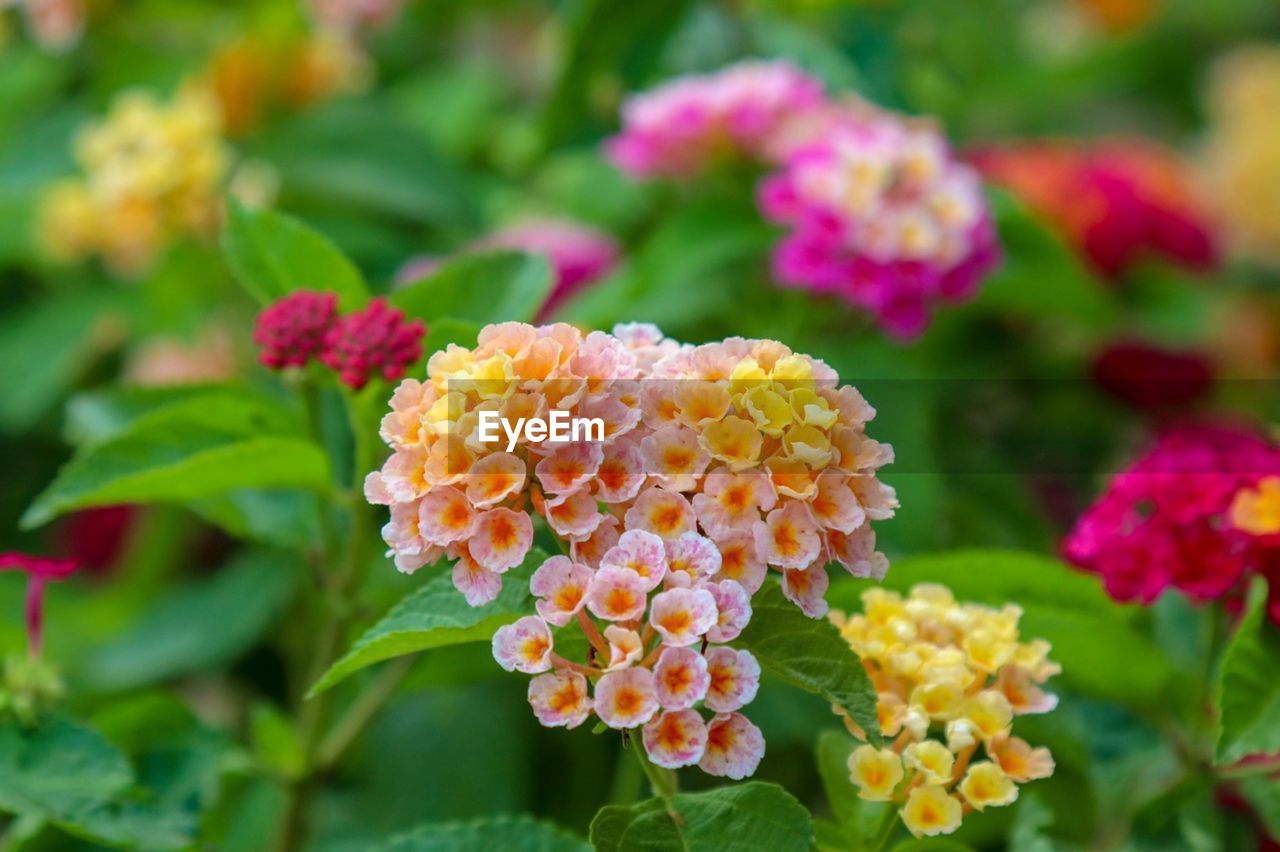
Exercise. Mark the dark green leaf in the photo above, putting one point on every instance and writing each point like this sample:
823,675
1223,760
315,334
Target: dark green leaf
508,833
174,456
204,625
810,653
741,817
1248,695
434,616
834,748
481,288
273,254
1263,793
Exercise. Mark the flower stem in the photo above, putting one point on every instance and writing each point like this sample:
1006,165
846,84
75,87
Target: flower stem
885,830
662,780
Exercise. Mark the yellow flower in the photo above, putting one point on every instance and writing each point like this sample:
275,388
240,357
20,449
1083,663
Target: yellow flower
875,772
930,811
1257,510
990,713
931,759
986,785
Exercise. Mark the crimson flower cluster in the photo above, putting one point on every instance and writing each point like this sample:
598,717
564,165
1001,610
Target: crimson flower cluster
374,341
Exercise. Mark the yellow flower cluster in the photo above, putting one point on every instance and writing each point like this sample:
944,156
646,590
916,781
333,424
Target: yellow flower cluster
150,172
958,671
1244,159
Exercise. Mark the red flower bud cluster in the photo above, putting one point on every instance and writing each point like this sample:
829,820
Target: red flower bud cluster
374,341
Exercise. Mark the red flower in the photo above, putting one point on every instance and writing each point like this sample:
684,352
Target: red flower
1150,378
374,341
39,571
292,330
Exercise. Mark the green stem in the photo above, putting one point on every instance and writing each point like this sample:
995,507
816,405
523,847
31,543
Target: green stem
361,712
885,830
1270,766
662,780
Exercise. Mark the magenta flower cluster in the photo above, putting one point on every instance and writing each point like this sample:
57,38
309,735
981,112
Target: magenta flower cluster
375,341
878,210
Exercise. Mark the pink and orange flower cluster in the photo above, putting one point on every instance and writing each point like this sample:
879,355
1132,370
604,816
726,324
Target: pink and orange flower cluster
718,462
879,211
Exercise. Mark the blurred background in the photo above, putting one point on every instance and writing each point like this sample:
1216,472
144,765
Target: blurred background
1131,152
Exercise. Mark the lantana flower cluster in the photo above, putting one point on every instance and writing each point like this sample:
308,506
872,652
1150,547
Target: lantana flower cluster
1195,513
879,212
715,464
151,171
1118,201
950,679
375,341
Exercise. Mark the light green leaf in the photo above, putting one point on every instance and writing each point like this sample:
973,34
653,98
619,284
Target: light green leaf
180,456
1094,638
199,627
434,616
481,288
276,742
273,254
508,833
1263,794
834,748
811,654
741,817
95,416
1248,695
67,774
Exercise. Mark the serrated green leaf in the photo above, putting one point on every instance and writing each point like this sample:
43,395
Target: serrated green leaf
480,288
434,616
811,654
741,817
1248,694
272,254
190,454
69,775
201,626
97,415
1094,638
508,833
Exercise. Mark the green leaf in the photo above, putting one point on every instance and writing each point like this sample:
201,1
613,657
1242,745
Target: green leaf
95,416
810,653
273,254
202,626
175,456
69,775
1248,694
934,844
481,288
508,833
1094,638
834,748
1263,794
276,742
741,817
43,350
435,616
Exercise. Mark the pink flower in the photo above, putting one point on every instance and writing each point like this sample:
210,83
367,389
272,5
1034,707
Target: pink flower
494,478
573,516
478,584
561,588
590,550
525,645
682,616
569,468
788,537
501,539
559,699
733,607
882,216
661,512
445,516
1163,521
641,552
375,341
39,572
681,678
734,747
616,594
735,677
807,589
685,126
691,558
625,647
621,474
291,331
675,739
674,457
626,699
579,255
740,561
